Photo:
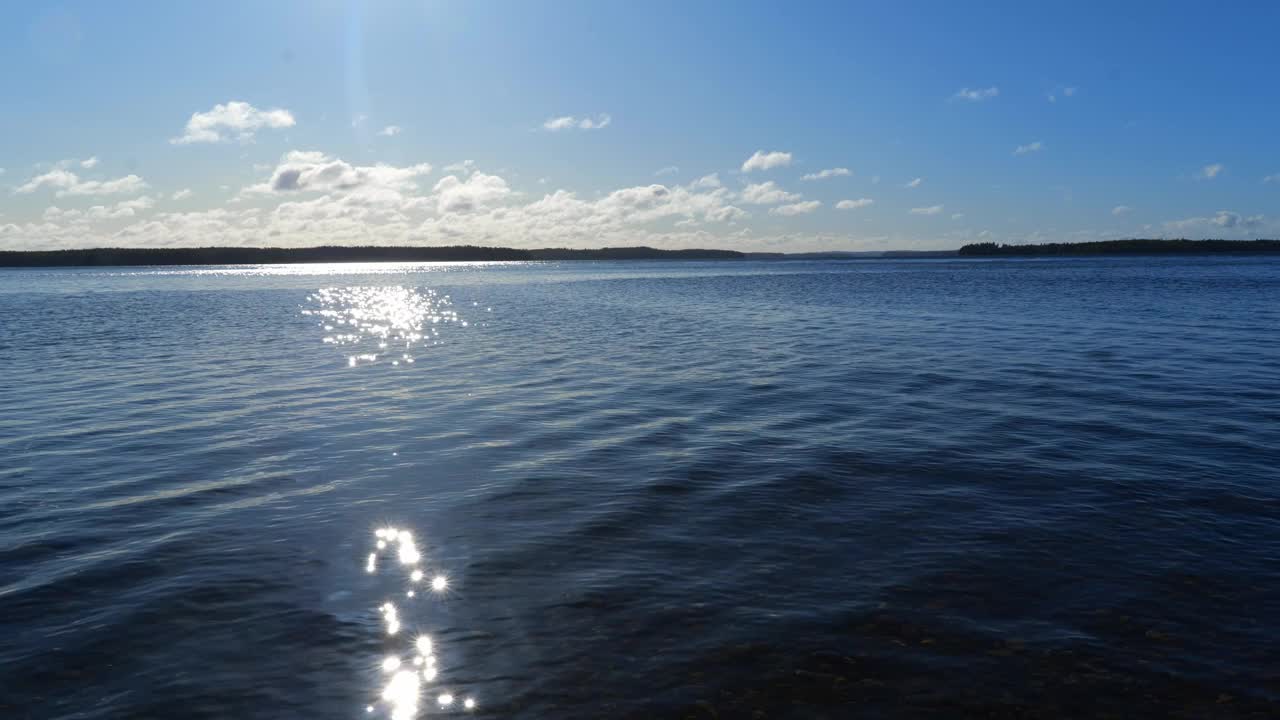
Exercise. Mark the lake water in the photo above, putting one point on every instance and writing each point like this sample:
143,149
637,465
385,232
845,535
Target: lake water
1010,488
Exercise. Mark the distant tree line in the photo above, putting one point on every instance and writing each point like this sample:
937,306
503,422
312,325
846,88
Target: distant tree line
1124,247
97,257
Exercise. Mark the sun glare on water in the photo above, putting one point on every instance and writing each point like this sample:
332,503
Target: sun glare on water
382,323
401,696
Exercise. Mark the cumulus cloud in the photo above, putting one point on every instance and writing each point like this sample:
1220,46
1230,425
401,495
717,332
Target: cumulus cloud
766,193
122,209
390,131
668,170
931,210
234,120
1224,219
66,183
828,173
569,122
301,171
1209,172
762,160
314,198
854,204
800,208
465,166
626,216
914,183
706,182
477,191
89,163
1120,210
1029,148
976,95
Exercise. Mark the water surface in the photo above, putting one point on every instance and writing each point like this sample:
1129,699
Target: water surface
1014,488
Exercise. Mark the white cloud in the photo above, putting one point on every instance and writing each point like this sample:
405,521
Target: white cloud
1209,172
67,183
123,209
976,95
762,160
1268,179
182,194
359,120
706,182
854,204
800,208
1029,148
569,122
301,171
668,170
234,120
391,131
476,192
120,210
1121,210
466,166
767,193
314,198
957,216
89,163
931,210
914,183
1066,92
828,173
1223,219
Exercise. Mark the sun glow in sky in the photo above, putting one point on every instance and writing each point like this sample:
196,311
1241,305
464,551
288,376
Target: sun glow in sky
755,126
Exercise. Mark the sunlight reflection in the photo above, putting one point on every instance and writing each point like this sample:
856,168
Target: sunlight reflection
382,317
402,693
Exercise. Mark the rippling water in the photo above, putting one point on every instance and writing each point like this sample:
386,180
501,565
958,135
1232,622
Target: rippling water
875,489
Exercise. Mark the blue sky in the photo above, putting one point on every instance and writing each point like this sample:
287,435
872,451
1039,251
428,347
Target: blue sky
622,123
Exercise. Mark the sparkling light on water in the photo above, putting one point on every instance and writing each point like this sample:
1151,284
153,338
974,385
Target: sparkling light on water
401,696
390,320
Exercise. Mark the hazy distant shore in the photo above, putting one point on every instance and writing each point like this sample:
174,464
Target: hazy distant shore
106,257
1123,247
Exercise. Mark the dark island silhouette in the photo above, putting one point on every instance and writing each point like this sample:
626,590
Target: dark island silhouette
96,257
1122,247
101,257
